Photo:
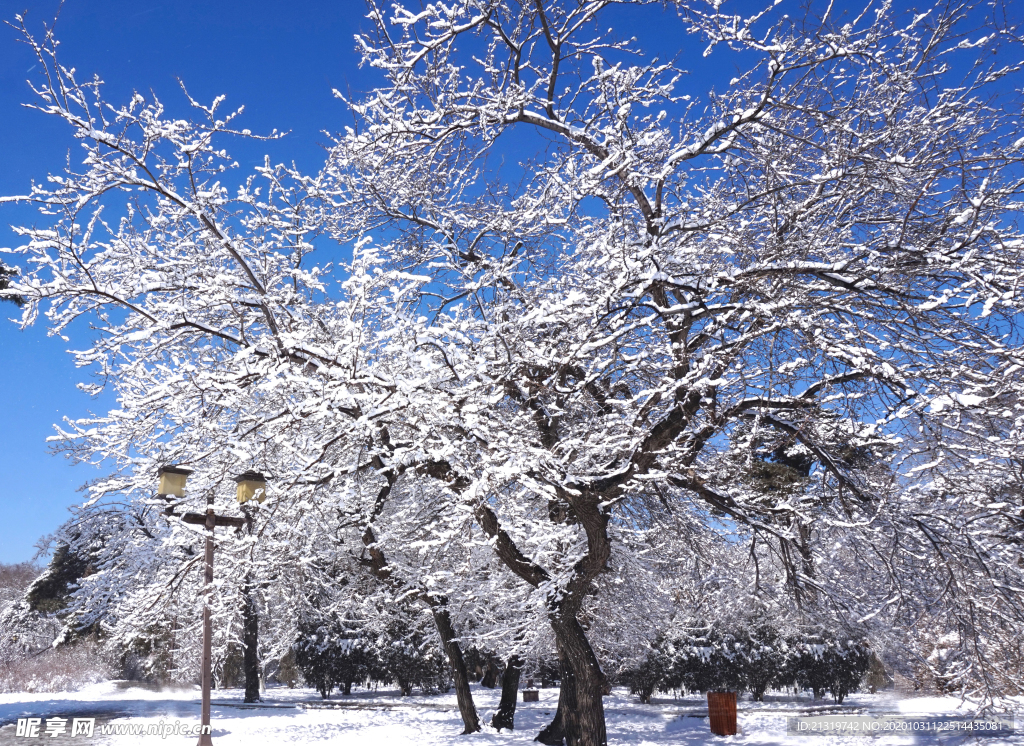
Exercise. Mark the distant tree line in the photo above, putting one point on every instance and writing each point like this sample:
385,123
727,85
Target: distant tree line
331,655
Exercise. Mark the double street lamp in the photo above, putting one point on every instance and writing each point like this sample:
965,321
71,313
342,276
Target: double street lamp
250,485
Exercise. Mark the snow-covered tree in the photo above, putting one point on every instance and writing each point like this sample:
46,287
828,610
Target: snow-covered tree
780,315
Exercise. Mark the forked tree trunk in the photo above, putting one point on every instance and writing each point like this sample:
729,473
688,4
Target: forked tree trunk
443,622
504,718
250,646
583,682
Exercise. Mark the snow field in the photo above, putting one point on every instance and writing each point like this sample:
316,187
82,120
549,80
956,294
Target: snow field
372,718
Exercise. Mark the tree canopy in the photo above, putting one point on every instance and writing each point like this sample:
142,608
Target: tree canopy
765,337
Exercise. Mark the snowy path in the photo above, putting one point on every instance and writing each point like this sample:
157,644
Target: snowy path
368,718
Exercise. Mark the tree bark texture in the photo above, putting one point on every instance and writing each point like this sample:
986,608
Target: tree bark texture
578,718
504,718
250,646
585,725
553,733
565,728
443,622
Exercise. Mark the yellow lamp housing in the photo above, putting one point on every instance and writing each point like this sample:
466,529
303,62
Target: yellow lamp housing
172,481
250,485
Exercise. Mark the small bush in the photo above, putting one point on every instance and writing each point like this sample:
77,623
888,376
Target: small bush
645,678
412,657
823,663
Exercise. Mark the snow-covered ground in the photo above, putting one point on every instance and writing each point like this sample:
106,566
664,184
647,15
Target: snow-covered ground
369,718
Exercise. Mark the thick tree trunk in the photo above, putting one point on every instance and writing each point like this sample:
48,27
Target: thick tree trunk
565,728
504,718
583,682
443,622
250,647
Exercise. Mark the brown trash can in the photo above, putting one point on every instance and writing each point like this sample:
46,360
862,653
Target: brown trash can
531,695
722,713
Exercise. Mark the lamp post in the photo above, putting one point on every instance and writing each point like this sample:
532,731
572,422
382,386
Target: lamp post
251,484
172,481
172,484
210,520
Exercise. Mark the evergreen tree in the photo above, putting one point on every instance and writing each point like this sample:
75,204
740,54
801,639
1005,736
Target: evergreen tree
648,675
704,659
822,662
50,591
409,656
317,652
762,657
846,662
6,273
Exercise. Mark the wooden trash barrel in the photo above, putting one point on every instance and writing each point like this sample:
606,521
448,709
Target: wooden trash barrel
722,713
531,695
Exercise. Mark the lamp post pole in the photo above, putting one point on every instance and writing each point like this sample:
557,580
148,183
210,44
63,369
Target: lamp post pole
172,484
205,739
210,521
